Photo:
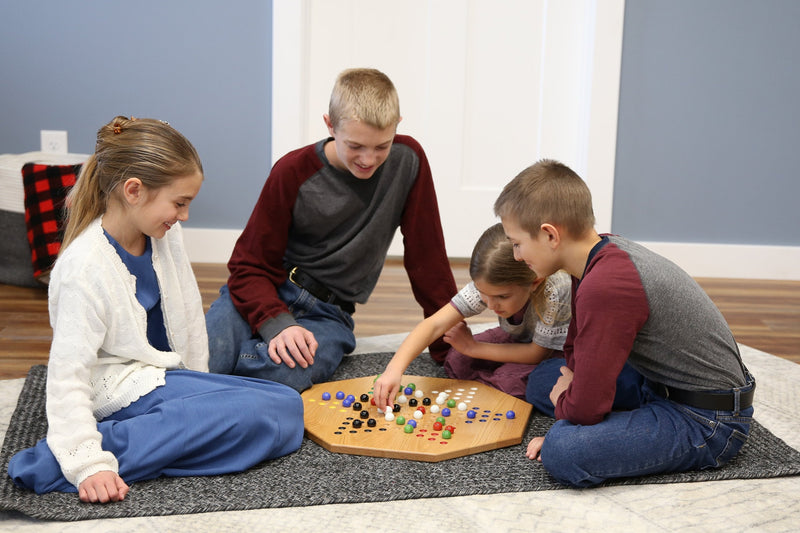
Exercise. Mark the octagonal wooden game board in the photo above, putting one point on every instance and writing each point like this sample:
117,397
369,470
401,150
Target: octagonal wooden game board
331,425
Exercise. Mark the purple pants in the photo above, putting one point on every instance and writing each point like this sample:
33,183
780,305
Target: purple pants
511,378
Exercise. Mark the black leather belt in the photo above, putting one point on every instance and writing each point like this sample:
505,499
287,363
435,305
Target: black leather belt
725,401
318,290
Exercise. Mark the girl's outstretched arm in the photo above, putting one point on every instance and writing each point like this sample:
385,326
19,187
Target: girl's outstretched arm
388,383
460,338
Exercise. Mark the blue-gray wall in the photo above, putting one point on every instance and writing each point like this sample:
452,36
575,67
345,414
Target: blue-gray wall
202,65
709,120
708,146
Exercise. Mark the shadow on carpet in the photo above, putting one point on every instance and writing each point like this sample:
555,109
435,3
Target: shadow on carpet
315,476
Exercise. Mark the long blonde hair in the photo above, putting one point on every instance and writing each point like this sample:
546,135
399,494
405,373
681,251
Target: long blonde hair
148,149
493,261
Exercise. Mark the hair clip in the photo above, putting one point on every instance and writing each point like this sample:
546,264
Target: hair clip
117,128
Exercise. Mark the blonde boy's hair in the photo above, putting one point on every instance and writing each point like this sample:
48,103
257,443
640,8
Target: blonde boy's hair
547,192
367,95
148,149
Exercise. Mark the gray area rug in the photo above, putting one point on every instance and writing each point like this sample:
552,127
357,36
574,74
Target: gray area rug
315,476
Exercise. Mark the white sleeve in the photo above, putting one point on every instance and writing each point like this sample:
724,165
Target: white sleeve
78,332
551,329
468,301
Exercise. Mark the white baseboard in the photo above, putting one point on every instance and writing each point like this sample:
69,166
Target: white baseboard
732,260
210,245
699,260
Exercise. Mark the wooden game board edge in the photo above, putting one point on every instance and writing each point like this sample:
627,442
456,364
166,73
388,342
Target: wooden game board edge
413,455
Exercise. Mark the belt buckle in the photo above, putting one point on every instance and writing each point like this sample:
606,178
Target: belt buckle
291,277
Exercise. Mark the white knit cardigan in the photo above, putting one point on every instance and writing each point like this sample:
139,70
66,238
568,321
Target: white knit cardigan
100,358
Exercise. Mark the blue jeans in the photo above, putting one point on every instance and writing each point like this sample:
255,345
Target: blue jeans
659,436
234,349
546,373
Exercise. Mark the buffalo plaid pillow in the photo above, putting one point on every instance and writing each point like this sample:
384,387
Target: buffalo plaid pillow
46,188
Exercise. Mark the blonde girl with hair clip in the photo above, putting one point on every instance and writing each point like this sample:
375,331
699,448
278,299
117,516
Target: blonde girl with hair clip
129,396
533,315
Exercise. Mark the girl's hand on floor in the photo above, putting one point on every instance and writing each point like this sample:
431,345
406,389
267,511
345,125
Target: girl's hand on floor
103,487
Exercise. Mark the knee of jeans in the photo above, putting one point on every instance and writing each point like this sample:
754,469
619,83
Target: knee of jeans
562,458
537,391
539,400
228,333
223,314
548,371
218,363
325,364
224,349
298,378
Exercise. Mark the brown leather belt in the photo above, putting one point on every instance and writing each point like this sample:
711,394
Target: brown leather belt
318,290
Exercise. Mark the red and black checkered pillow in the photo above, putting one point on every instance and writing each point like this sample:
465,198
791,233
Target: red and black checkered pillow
46,188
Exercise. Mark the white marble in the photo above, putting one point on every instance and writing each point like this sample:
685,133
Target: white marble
768,505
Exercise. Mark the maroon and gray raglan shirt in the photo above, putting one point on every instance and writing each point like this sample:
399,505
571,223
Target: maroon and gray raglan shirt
338,228
634,305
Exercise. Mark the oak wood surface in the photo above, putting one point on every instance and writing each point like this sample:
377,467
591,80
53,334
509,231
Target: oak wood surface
330,424
763,314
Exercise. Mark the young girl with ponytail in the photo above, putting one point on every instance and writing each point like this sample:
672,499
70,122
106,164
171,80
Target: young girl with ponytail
129,396
533,315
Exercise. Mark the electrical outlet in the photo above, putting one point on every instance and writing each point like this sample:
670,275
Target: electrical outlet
54,141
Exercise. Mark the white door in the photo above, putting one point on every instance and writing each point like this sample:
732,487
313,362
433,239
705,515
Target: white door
487,88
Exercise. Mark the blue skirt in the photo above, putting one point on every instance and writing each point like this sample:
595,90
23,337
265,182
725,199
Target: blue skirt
197,424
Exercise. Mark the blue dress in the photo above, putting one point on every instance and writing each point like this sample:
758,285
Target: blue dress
196,424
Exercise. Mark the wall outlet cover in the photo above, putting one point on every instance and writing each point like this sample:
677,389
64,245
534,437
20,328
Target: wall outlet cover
54,141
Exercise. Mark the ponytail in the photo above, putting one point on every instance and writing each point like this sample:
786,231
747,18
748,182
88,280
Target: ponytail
150,150
85,202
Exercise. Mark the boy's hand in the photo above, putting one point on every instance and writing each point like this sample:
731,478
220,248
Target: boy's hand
385,389
460,338
535,448
294,343
562,384
103,487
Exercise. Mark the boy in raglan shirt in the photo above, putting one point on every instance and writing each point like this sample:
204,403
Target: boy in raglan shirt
628,305
317,239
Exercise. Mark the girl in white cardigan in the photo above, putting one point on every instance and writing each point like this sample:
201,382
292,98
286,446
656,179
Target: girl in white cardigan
129,396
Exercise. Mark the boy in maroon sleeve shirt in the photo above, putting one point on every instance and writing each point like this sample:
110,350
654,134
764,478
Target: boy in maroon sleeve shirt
629,305
317,239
